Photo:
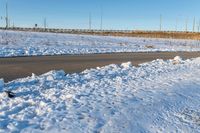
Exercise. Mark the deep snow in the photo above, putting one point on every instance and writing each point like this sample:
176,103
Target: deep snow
160,96
28,44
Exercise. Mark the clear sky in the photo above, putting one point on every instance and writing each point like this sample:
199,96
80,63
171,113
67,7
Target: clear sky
117,14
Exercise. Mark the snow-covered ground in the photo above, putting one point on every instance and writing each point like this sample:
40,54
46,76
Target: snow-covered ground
28,44
160,96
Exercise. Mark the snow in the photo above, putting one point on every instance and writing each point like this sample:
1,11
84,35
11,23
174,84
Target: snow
159,96
13,43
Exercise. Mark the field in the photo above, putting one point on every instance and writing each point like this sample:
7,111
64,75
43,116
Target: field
124,33
14,43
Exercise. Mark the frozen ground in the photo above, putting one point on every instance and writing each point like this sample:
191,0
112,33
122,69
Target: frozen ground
28,44
160,96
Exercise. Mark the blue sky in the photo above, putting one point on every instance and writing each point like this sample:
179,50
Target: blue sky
117,14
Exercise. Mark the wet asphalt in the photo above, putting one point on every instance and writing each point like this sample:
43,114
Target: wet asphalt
20,67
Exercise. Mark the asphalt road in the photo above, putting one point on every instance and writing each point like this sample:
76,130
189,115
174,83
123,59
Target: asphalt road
19,67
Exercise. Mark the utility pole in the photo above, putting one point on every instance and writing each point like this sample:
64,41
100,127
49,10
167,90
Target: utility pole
45,23
186,25
176,27
199,26
194,22
160,22
90,21
7,19
1,19
101,26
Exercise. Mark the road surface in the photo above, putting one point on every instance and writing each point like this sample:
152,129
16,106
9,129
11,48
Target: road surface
19,67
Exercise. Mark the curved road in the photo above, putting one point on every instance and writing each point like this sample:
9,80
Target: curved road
19,67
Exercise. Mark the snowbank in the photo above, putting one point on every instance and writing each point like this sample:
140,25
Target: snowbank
160,96
30,44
